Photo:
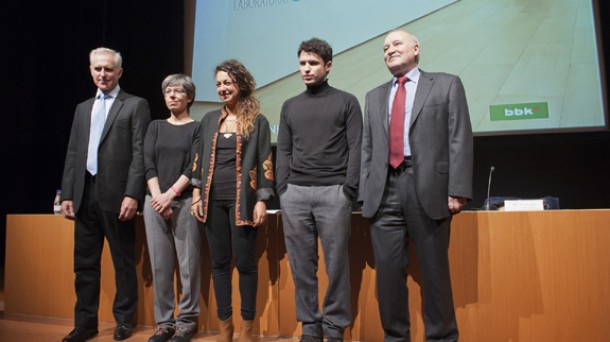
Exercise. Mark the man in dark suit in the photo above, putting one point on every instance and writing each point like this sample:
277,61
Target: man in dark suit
416,172
103,182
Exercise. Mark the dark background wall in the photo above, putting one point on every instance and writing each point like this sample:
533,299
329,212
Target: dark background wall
44,74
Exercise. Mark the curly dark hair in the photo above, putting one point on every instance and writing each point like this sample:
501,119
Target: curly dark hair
248,107
317,46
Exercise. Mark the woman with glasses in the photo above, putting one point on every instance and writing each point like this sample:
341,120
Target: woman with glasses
171,232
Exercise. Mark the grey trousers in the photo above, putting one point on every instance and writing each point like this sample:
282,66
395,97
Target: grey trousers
399,221
309,212
179,236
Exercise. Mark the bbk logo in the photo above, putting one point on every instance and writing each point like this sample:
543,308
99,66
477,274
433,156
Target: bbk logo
519,111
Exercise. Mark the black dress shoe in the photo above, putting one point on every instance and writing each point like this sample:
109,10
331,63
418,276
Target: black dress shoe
163,334
80,335
309,338
122,332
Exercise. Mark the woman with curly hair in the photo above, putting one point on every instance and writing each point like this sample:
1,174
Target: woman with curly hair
232,178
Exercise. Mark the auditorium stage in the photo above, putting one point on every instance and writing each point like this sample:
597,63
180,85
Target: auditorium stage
517,276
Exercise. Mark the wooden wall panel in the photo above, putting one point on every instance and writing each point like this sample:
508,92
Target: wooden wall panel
517,276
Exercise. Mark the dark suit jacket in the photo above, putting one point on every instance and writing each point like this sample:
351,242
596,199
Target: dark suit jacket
120,159
440,136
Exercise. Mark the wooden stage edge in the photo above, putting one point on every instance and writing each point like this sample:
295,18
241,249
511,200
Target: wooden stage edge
517,276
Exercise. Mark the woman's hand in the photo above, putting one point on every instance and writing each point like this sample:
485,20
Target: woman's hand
167,213
162,201
197,205
260,213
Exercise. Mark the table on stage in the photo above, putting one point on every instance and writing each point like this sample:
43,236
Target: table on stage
517,276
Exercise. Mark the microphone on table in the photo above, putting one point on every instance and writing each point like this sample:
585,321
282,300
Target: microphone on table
489,206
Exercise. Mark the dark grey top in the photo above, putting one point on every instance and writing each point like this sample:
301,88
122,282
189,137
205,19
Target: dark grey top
225,171
168,152
319,140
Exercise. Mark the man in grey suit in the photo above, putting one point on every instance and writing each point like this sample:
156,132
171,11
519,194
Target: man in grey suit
415,175
103,182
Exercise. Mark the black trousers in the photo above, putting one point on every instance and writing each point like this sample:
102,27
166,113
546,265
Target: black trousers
93,225
228,241
401,219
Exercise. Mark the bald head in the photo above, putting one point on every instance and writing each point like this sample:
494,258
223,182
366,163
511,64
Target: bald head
400,52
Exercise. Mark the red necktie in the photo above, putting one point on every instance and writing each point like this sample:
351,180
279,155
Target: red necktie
397,125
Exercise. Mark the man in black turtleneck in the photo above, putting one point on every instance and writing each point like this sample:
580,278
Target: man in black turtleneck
318,165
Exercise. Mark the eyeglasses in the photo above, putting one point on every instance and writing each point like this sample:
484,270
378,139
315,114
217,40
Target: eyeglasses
169,91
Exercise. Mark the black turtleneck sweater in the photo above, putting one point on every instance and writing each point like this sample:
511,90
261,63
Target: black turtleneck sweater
319,140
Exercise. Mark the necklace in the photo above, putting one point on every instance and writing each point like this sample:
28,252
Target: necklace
230,126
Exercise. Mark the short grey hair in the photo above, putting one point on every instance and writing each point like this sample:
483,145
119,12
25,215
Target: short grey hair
180,80
118,60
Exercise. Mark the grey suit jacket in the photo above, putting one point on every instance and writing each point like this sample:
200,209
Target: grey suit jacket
441,141
120,155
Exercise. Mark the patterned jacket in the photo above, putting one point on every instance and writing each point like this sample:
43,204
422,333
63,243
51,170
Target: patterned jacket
254,165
